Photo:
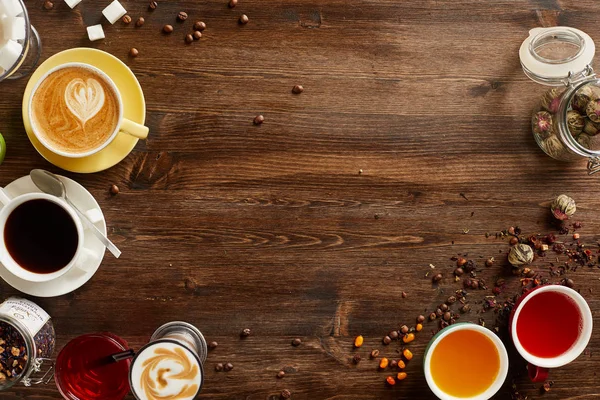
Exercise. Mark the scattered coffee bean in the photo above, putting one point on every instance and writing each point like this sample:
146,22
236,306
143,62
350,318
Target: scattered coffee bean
281,374
568,282
245,333
182,16
48,5
244,19
297,89
296,342
259,119
447,316
197,35
387,340
420,318
199,26
444,307
439,312
219,367
189,38
140,21
436,278
114,189
232,3
133,52
212,345
432,316
374,353
459,271
404,295
228,367
286,394
126,19
451,300
393,335
168,28
152,5
356,358
404,328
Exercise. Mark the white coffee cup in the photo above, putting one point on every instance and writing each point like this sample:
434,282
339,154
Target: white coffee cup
82,254
124,125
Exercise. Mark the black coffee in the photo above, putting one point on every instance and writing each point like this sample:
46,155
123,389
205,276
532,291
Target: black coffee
41,236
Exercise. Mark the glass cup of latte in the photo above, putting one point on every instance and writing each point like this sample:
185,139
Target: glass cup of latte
20,44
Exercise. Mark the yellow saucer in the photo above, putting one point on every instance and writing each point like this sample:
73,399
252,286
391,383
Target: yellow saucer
134,109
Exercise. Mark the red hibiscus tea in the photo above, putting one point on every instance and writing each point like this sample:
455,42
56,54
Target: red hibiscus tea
549,324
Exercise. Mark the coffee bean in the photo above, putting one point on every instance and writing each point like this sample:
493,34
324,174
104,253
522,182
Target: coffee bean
232,3
133,52
168,28
404,328
212,345
459,271
420,318
228,367
189,38
245,333
48,5
244,19
140,21
387,340
374,353
286,394
199,26
219,367
126,19
436,278
439,312
451,300
296,342
404,295
114,189
259,119
281,374
356,358
297,89
444,307
393,335
182,16
447,316
152,6
197,35
568,282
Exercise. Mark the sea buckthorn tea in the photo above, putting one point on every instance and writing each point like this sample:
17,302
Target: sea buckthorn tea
542,317
465,361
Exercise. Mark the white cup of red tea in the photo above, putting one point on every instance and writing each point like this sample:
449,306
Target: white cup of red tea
550,327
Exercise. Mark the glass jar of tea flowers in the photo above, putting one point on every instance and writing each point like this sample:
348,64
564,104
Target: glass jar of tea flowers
566,120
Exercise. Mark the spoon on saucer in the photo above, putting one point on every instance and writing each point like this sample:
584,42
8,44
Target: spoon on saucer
49,183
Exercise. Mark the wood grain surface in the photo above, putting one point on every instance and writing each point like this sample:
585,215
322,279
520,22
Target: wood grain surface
229,225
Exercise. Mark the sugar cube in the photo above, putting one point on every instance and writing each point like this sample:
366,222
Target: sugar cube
13,28
72,3
10,8
95,32
9,54
114,11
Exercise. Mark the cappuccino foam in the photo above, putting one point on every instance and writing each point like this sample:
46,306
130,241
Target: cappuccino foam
75,110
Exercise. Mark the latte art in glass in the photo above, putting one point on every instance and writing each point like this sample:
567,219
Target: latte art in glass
166,371
75,110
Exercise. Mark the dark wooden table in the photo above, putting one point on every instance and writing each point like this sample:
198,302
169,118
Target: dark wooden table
314,223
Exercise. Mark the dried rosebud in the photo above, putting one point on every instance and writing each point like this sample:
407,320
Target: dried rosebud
575,122
593,110
551,100
563,207
542,124
520,254
591,128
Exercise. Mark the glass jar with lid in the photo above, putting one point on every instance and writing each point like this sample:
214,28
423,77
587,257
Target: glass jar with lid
566,120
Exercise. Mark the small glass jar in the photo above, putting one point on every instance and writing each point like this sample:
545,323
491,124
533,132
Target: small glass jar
27,340
566,120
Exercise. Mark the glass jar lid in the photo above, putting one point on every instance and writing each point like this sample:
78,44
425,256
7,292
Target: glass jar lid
556,56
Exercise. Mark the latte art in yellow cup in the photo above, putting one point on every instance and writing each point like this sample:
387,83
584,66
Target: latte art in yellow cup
76,110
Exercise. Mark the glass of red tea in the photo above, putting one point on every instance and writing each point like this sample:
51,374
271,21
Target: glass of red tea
550,326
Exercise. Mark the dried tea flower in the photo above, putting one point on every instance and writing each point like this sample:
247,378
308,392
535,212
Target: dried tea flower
580,102
520,254
575,122
585,141
542,124
551,100
563,207
593,110
553,147
591,128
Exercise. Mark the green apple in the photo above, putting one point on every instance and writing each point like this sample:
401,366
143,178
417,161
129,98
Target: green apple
2,148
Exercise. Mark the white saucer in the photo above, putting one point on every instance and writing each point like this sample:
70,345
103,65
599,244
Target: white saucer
76,277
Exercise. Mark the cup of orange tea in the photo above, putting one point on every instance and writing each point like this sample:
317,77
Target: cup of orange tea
465,361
